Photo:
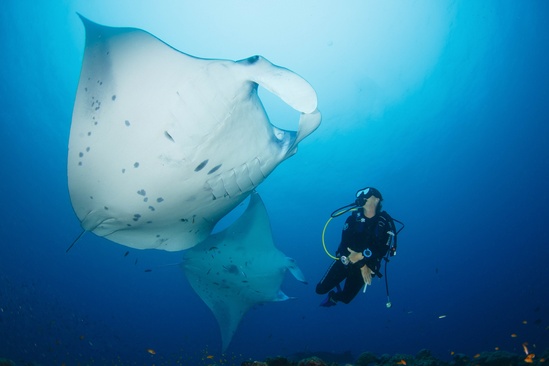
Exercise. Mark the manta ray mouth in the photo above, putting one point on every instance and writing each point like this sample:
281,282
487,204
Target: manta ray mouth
284,138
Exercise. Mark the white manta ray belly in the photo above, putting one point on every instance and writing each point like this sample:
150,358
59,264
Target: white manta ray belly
162,144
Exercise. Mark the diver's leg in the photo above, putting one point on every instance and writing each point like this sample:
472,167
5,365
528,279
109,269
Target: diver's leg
353,284
334,275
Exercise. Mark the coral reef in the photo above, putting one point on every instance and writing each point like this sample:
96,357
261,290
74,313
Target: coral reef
6,362
312,361
422,358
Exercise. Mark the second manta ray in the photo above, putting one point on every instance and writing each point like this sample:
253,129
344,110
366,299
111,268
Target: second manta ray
238,268
163,144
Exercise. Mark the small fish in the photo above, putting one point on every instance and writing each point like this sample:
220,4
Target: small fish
529,358
126,254
524,346
442,316
148,270
514,335
151,351
401,362
210,357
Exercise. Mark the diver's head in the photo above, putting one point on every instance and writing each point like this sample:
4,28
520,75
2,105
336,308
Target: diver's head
364,196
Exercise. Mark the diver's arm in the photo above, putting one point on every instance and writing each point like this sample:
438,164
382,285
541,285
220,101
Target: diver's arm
353,256
372,255
346,237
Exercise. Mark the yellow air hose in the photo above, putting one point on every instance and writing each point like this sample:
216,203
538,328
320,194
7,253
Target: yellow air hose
324,243
334,214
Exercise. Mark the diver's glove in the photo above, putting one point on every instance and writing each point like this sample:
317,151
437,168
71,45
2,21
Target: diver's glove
360,259
366,274
354,256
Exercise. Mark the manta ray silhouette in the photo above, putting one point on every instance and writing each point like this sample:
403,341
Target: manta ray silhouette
238,268
163,144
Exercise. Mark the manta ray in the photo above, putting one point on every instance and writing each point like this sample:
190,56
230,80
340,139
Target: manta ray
163,144
238,268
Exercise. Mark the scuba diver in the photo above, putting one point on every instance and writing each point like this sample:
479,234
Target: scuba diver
366,239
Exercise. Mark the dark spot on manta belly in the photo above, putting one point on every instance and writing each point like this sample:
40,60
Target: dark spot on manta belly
214,169
168,136
201,166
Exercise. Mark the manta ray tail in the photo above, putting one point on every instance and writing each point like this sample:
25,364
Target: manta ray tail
75,240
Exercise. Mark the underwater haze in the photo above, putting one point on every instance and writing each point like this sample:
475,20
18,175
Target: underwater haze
441,105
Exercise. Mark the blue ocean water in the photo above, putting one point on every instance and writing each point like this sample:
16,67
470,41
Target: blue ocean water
441,105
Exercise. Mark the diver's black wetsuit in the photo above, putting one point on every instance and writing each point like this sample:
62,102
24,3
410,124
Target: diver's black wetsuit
359,233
